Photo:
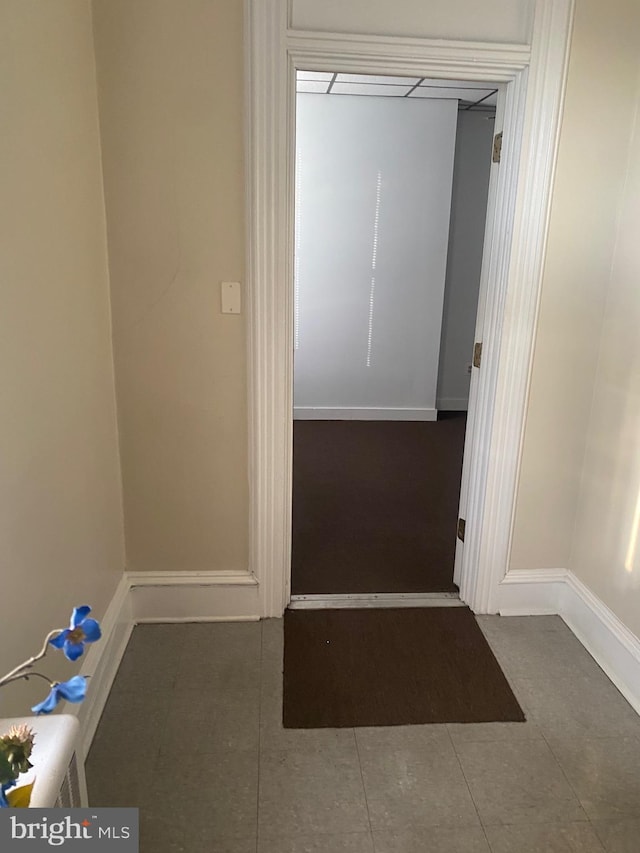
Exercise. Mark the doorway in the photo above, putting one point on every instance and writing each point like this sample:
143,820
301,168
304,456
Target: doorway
534,78
388,251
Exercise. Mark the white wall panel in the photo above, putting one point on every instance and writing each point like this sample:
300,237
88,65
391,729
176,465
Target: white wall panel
374,180
492,21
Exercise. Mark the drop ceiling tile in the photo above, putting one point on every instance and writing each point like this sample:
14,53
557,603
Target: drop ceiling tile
369,89
315,87
491,101
457,84
372,79
446,94
471,95
315,75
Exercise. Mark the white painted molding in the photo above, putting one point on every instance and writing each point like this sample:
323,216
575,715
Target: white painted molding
531,592
225,578
318,413
535,79
269,205
157,597
511,316
558,591
101,662
398,55
194,597
615,648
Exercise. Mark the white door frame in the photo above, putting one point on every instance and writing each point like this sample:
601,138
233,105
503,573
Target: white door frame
512,267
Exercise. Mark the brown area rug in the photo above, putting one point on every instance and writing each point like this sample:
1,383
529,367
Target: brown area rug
389,667
375,505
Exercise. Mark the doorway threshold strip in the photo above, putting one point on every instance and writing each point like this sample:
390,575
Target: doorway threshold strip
375,599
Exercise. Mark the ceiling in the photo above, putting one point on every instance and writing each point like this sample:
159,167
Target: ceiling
470,94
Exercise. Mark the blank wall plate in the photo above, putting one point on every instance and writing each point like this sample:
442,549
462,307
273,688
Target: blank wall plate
230,297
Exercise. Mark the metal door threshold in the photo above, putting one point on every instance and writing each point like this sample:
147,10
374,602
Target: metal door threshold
375,599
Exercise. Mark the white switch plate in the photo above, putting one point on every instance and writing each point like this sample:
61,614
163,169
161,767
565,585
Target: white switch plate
230,297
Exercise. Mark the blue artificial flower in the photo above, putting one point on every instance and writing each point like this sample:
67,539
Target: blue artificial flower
73,690
3,788
80,631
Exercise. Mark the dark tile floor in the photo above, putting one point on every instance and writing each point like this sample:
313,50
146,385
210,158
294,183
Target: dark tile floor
192,735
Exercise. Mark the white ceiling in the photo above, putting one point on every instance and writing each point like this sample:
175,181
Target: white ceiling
470,94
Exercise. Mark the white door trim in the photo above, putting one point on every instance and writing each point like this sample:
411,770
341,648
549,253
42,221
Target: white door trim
535,79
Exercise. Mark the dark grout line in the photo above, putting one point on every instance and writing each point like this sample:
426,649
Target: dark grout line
364,788
566,777
466,782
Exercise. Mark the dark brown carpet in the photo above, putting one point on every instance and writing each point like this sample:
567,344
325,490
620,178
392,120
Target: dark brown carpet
388,667
375,505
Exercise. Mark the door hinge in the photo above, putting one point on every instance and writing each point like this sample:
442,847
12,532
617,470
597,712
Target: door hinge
477,354
461,526
497,147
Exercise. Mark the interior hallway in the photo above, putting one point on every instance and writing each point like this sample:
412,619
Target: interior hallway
192,735
375,505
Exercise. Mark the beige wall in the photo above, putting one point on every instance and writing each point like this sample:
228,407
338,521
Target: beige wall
170,96
61,537
590,175
170,79
606,552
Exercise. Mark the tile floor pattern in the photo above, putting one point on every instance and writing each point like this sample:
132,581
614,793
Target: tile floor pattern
192,735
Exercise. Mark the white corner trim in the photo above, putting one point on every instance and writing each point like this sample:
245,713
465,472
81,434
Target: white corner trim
101,663
320,413
531,592
613,646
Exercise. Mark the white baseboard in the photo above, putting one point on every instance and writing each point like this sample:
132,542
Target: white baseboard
615,648
156,597
531,592
101,662
194,596
308,413
234,596
452,404
612,645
